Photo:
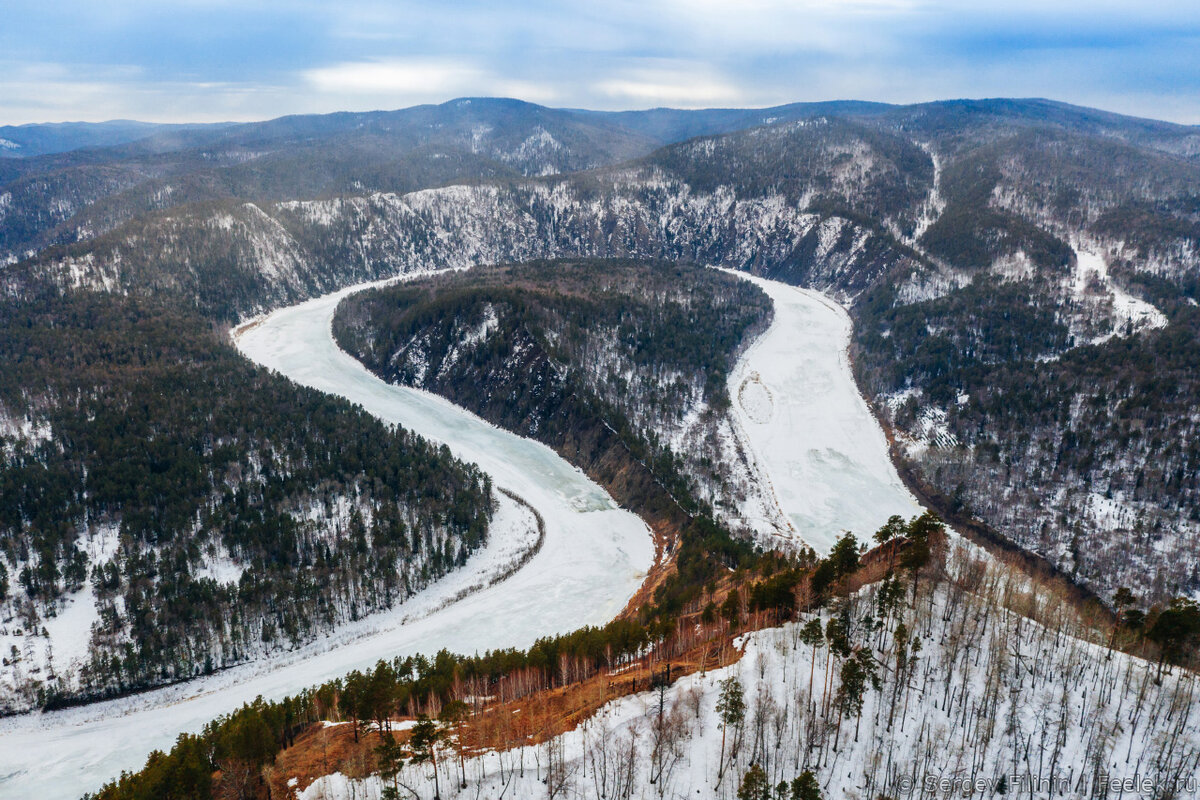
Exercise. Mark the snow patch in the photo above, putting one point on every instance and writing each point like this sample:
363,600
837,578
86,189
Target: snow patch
1092,287
218,565
28,430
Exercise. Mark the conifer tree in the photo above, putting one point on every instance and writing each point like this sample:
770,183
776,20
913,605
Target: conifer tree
390,757
754,785
845,556
423,745
731,708
805,786
1175,631
811,635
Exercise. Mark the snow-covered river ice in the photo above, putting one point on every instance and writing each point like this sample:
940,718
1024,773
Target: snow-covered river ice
812,435
811,432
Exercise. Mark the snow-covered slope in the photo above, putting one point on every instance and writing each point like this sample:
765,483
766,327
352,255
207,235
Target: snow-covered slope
1093,288
987,695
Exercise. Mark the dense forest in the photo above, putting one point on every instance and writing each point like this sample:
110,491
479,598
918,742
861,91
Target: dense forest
209,510
574,353
1092,442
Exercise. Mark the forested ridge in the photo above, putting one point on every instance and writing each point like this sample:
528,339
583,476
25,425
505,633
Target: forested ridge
578,353
1093,442
211,510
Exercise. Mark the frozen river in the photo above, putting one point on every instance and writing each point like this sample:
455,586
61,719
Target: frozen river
809,428
594,557
810,431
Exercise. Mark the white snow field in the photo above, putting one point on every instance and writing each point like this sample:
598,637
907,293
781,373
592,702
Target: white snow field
1092,284
795,399
594,557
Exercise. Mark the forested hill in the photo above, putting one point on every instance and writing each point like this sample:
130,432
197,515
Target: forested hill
168,509
996,234
1009,237
621,366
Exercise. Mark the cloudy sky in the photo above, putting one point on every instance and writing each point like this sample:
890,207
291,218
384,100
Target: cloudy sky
207,60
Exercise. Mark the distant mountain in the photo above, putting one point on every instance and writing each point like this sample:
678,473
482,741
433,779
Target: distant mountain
963,121
65,197
69,197
669,125
39,139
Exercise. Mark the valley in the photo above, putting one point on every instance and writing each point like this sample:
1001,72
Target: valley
594,557
318,425
809,428
897,212
65,753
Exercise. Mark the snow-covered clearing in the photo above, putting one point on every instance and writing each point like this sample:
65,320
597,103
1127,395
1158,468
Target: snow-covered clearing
815,440
1092,285
593,559
58,642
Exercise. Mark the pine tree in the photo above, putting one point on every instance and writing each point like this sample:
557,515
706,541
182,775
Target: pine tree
811,635
754,785
844,556
423,744
390,757
857,674
920,549
1175,631
806,787
731,708
837,635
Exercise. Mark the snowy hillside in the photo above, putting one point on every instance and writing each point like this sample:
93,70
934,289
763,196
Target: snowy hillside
969,694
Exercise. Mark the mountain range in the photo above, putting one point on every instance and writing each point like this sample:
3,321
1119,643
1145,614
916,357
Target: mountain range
1023,278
